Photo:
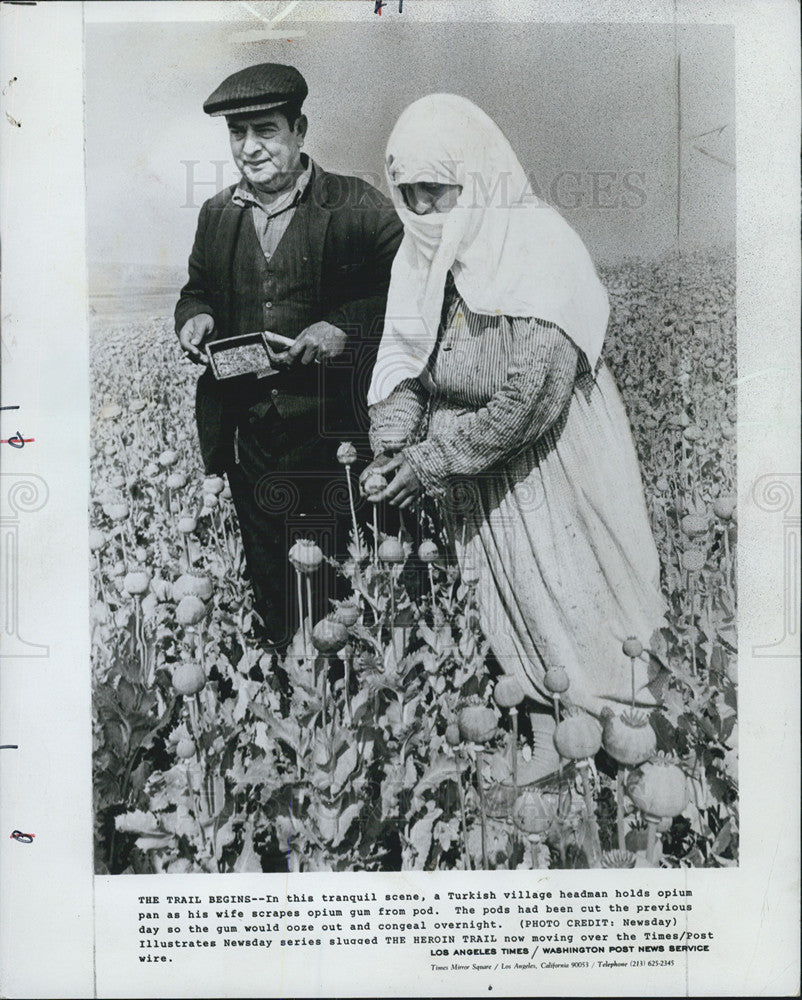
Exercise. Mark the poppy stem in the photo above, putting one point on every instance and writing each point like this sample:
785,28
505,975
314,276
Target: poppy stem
434,599
392,614
308,619
590,810
620,783
347,685
514,768
651,841
480,789
100,578
465,855
301,625
632,677
353,508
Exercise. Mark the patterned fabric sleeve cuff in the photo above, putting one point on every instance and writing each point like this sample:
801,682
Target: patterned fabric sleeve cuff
395,421
428,462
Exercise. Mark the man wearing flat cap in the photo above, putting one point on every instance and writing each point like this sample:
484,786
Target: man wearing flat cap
306,254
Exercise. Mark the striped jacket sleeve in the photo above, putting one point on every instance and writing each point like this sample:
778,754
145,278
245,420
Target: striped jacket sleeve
395,421
540,381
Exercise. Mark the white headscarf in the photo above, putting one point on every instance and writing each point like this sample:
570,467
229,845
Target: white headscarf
509,252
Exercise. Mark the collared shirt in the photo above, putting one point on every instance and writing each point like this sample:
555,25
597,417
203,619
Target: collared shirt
271,221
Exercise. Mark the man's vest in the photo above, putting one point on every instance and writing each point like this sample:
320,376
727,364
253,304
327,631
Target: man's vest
282,295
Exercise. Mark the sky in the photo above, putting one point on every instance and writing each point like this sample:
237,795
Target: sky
591,111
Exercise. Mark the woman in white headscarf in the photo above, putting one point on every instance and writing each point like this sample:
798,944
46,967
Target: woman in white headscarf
489,392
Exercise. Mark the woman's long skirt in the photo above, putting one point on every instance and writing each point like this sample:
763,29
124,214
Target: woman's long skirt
560,545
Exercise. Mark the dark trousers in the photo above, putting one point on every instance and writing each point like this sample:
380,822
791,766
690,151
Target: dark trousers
286,484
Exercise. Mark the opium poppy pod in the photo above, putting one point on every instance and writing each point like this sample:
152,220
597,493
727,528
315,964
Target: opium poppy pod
373,484
477,723
724,507
194,585
508,693
189,678
305,555
632,647
428,551
577,736
329,636
136,582
693,525
453,735
190,610
185,749
348,614
629,737
346,453
96,539
659,788
213,485
693,560
116,511
391,551
556,680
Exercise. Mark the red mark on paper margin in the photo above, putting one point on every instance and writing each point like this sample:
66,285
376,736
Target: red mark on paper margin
17,440
22,838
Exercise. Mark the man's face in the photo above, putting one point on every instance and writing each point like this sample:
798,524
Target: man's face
265,148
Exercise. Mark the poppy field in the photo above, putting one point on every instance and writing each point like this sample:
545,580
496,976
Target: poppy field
386,739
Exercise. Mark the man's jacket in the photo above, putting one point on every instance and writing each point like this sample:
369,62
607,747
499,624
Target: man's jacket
332,264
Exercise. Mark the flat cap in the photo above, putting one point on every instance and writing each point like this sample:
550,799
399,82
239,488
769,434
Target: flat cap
257,88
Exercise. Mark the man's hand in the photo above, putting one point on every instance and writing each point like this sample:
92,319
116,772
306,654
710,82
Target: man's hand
192,335
405,485
317,342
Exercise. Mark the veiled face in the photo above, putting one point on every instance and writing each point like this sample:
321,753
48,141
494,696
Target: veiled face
424,198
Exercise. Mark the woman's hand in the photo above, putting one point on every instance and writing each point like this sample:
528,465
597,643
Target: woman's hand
405,485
